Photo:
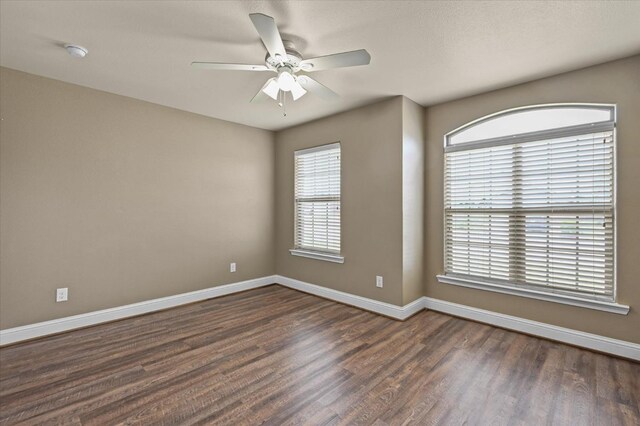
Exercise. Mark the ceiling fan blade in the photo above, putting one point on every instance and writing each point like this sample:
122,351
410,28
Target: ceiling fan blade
268,31
312,86
338,60
259,97
268,91
219,66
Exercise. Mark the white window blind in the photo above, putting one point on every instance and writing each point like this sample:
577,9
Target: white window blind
534,210
317,199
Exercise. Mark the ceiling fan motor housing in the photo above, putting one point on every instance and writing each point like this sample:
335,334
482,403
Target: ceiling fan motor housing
292,60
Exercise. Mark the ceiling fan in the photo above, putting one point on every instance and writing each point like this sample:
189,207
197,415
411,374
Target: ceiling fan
283,59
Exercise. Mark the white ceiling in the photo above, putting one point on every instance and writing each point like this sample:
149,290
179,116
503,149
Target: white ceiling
428,51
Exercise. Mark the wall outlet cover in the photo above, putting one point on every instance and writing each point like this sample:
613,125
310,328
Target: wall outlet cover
62,294
232,267
379,281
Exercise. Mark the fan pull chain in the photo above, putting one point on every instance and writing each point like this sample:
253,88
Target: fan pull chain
284,104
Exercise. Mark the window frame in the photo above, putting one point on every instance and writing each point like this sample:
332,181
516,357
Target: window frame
486,283
329,256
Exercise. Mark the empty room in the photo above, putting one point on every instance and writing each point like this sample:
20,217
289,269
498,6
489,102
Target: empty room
319,212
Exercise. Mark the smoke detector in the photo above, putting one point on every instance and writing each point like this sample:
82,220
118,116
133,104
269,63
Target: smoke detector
76,51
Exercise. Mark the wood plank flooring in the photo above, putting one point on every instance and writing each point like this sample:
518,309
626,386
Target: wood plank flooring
278,356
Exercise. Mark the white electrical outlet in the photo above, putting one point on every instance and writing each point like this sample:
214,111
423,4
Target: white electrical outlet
232,267
379,281
62,294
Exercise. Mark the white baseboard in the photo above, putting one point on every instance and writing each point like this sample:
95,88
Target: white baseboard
578,338
387,309
565,335
17,334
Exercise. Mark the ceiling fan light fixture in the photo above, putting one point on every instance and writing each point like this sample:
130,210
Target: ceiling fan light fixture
297,91
271,89
286,80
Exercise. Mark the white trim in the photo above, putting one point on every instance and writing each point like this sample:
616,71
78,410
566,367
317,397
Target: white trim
383,308
17,334
509,111
565,132
599,305
318,148
318,255
565,335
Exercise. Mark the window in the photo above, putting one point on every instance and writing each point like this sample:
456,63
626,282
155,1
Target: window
317,203
529,204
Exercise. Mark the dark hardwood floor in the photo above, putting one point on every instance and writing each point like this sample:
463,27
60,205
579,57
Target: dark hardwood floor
278,356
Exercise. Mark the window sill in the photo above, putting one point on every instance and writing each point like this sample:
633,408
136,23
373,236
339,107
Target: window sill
336,258
549,297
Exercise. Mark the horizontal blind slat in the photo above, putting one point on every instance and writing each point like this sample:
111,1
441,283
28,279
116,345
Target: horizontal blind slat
317,199
502,219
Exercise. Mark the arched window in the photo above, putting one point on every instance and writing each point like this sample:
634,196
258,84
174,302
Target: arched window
529,203
534,120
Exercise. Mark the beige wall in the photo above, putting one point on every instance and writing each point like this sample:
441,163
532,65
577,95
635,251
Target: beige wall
615,82
122,200
371,150
412,200
382,200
